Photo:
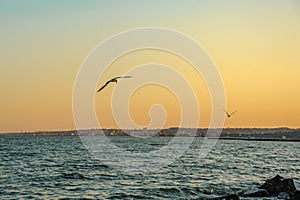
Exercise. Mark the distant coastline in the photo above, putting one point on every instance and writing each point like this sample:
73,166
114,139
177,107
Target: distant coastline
254,134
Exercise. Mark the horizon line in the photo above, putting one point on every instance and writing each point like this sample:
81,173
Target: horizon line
65,130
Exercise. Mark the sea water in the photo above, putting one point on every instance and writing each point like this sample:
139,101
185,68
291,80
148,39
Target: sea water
56,167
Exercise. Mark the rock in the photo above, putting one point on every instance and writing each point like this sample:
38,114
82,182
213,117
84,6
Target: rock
254,193
284,195
297,185
296,195
275,187
278,184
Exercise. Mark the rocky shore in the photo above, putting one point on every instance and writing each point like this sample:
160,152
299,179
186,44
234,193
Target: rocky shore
276,187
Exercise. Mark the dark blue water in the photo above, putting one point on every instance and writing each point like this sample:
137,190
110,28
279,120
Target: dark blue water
60,167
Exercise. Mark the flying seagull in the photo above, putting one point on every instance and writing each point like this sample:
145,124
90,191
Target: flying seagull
229,115
112,80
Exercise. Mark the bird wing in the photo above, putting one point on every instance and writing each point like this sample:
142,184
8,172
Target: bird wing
112,80
226,112
122,77
103,86
233,112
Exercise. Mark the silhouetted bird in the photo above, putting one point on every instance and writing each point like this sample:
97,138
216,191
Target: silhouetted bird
112,80
229,115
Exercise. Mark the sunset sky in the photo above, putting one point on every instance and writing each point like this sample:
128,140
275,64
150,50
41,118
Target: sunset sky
255,45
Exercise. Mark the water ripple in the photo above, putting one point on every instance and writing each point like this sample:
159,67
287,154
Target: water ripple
61,168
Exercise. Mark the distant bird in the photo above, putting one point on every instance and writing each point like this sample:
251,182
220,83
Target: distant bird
229,115
112,80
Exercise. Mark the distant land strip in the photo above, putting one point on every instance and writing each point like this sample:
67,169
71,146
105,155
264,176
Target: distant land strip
254,134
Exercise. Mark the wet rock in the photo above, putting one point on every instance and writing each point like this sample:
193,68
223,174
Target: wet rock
296,195
254,193
275,187
297,185
278,184
282,188
284,195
